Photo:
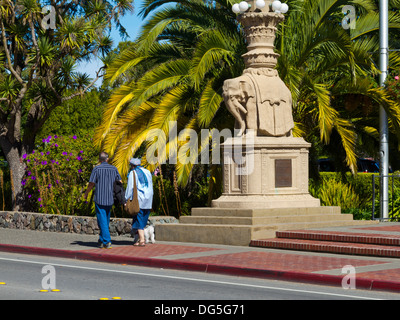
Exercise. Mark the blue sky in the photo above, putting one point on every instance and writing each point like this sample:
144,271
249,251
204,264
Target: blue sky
132,24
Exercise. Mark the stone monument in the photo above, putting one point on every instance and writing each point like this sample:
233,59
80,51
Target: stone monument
259,99
265,169
274,173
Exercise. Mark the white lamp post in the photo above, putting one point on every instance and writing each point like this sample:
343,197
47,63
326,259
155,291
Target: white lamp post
243,6
236,8
276,6
279,7
260,4
384,132
259,19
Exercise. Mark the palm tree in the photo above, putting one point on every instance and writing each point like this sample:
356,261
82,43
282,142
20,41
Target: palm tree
190,49
331,73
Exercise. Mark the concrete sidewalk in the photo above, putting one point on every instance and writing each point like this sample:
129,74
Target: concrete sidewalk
372,273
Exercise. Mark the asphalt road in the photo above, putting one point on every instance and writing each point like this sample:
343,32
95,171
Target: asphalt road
23,276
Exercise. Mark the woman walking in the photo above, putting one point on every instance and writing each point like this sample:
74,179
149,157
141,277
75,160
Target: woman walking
144,184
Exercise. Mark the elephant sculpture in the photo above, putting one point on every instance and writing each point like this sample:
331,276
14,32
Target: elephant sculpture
260,102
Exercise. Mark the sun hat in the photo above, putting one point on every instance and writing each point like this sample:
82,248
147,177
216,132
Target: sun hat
135,161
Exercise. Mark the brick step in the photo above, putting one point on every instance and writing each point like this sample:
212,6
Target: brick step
330,247
366,238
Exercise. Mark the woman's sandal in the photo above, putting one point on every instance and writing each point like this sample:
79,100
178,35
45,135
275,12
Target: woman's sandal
140,244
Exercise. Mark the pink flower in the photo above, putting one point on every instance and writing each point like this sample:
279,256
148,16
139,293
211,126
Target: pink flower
396,77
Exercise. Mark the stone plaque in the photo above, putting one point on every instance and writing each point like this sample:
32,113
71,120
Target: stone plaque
283,173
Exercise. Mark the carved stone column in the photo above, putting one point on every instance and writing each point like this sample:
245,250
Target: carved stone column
259,99
274,172
260,29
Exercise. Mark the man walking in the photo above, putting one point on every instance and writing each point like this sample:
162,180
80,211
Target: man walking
102,178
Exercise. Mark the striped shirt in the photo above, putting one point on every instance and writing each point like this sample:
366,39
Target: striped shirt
104,176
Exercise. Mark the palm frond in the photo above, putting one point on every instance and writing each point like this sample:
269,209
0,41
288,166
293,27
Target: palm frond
210,102
348,138
160,79
126,60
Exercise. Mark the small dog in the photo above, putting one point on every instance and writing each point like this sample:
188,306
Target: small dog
149,234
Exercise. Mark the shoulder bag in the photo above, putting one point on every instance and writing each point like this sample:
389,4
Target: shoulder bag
132,206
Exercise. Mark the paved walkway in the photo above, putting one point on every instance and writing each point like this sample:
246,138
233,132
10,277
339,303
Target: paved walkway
373,273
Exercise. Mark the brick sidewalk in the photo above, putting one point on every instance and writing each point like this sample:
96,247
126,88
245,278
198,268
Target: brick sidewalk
262,260
312,267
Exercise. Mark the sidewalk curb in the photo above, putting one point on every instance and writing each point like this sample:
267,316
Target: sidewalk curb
312,278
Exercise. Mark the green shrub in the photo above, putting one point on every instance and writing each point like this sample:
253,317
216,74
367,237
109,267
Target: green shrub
333,192
354,193
57,173
359,214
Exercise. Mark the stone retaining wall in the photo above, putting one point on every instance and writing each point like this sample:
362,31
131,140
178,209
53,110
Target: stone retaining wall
72,224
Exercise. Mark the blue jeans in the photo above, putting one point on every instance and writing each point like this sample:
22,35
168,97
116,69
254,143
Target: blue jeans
103,221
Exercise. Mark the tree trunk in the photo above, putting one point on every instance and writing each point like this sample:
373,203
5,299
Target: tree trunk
13,154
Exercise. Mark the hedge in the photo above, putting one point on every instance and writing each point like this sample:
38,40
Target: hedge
354,193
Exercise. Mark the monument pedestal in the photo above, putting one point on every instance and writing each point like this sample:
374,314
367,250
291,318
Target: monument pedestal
230,226
266,192
272,173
